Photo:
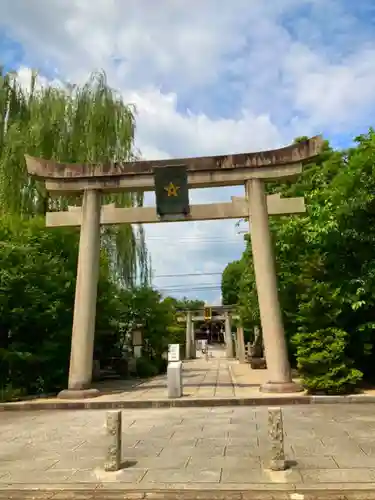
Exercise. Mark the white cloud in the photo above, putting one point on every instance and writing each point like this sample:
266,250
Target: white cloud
159,122
208,78
304,59
339,93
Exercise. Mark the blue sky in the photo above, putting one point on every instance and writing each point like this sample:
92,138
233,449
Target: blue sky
207,77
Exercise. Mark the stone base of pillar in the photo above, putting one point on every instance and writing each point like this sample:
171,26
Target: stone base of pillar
281,387
78,393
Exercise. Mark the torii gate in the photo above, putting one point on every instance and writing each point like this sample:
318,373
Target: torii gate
190,317
250,169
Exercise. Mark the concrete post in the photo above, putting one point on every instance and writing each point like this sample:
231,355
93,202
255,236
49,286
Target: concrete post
276,438
228,335
280,379
81,356
113,425
241,345
174,379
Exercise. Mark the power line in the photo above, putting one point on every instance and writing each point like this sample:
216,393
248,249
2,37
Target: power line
190,285
214,240
184,285
203,290
210,242
185,275
194,236
179,288
197,238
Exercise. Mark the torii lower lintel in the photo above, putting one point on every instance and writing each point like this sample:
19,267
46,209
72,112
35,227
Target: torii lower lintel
236,209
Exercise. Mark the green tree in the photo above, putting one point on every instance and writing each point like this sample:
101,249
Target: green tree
325,262
70,123
37,280
37,286
323,363
185,303
230,282
88,123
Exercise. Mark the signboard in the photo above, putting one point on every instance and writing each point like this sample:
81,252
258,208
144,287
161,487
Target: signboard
207,314
173,352
171,191
137,337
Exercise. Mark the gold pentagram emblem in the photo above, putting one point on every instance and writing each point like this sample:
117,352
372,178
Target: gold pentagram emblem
171,189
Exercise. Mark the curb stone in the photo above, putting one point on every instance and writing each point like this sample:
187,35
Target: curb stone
246,492
184,403
232,376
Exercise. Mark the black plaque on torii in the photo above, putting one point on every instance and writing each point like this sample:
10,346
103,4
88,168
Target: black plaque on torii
172,192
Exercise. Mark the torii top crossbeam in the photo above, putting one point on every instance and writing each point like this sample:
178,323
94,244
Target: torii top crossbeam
210,171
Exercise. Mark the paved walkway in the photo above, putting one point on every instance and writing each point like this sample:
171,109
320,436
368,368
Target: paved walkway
217,381
215,378
329,447
201,379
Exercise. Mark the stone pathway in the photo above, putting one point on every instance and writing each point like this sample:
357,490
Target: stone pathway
201,379
217,381
330,446
215,378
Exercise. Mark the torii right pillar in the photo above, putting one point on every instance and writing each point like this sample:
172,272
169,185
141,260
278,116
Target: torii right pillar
278,366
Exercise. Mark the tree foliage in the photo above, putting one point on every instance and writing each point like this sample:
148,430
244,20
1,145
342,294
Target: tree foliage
88,123
37,286
325,265
73,124
230,282
323,363
37,278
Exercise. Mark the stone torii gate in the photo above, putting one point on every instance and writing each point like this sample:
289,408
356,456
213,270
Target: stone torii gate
250,169
193,316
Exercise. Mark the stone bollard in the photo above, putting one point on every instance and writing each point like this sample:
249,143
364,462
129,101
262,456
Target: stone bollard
174,379
113,459
276,438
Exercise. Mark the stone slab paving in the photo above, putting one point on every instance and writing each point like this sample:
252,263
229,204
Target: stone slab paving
217,378
328,446
201,379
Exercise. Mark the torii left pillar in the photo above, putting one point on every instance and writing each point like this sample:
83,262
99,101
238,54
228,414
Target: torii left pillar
82,349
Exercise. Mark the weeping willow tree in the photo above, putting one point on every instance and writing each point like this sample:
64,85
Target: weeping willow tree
68,123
